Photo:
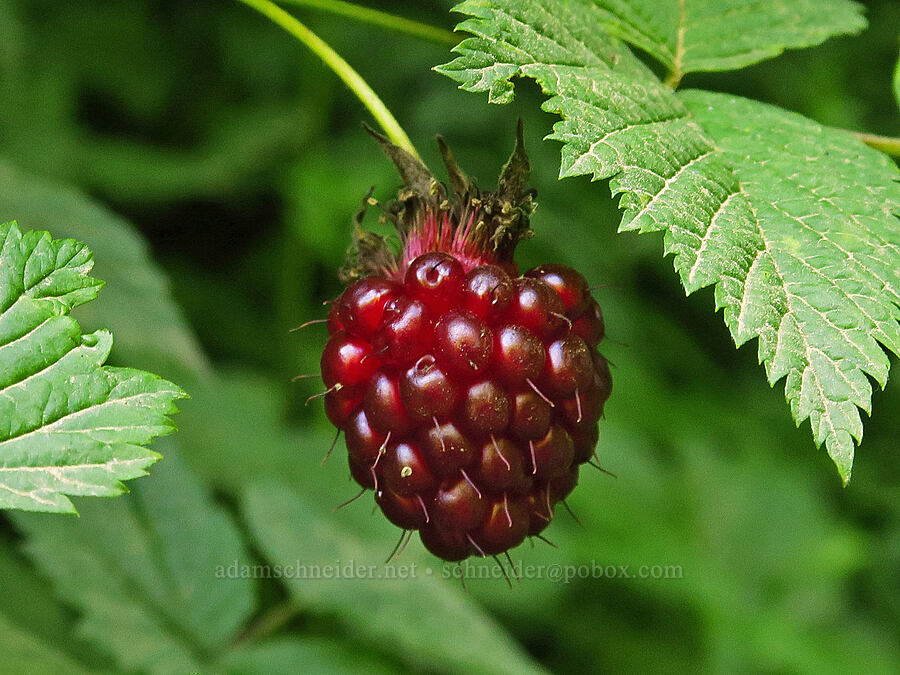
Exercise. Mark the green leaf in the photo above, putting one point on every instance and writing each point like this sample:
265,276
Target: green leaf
619,121
68,425
423,619
818,281
281,656
161,341
696,35
795,229
31,606
142,571
24,653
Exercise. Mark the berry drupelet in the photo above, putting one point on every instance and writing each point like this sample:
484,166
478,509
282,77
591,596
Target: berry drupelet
469,395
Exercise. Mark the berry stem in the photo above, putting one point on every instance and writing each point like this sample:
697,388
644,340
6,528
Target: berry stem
398,24
340,67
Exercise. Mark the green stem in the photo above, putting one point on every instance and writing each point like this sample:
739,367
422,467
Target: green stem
341,68
887,144
383,19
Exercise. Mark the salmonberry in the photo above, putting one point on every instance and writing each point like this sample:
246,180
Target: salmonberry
469,395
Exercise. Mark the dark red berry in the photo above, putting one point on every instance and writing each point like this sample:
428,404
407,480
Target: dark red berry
590,326
436,279
505,526
553,454
348,361
427,391
468,396
406,332
518,355
362,305
485,408
410,513
406,471
363,442
537,307
569,285
501,468
463,343
446,449
383,406
449,544
487,291
459,506
568,366
531,416
474,400
341,403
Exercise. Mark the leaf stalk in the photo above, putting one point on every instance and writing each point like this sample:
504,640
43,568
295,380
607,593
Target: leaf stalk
889,145
375,17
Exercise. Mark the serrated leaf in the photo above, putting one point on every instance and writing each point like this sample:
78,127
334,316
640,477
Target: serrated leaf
135,286
731,211
619,121
68,425
419,618
822,286
142,571
702,35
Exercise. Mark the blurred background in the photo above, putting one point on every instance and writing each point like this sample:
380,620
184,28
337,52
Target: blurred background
213,166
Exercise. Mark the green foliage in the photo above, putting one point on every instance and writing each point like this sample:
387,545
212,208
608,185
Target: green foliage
239,182
134,287
22,653
70,425
281,656
821,276
142,572
418,617
693,35
793,224
221,144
